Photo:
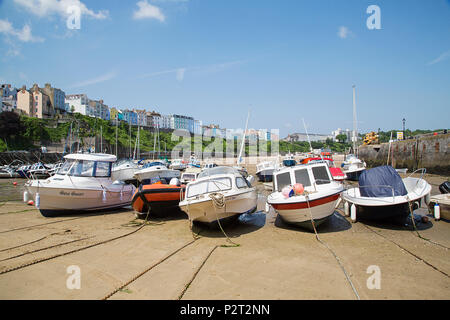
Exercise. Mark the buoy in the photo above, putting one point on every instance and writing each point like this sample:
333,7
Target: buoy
437,212
38,200
30,202
353,213
104,195
286,191
26,196
298,189
15,183
346,209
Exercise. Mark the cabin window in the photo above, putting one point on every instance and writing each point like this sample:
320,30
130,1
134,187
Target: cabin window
321,175
103,169
220,184
283,179
302,176
82,169
241,183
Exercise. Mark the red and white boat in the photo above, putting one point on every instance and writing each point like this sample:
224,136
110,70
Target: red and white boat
316,201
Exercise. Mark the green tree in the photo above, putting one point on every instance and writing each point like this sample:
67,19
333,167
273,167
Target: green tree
341,138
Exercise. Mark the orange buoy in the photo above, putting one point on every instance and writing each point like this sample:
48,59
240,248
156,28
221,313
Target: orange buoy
298,188
30,203
15,183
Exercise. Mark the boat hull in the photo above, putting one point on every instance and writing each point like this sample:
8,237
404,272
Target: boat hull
159,198
203,210
289,163
59,201
353,175
126,174
299,213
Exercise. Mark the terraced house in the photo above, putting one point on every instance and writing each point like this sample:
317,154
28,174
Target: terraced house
34,102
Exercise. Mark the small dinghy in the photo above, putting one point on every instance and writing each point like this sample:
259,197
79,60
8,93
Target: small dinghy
159,198
382,194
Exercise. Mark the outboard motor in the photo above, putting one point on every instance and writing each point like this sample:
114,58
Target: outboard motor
445,187
175,182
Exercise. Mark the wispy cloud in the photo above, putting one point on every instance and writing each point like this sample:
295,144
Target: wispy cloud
442,57
44,8
23,34
105,77
344,32
180,72
148,11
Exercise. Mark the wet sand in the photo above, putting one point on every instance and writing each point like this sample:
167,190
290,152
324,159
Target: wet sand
272,261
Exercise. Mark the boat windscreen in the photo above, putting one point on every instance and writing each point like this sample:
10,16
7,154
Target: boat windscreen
283,179
218,170
302,176
213,185
321,175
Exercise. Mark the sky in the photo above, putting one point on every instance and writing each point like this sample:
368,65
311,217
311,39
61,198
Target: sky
214,60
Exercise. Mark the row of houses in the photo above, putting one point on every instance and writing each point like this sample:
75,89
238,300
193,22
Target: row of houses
47,102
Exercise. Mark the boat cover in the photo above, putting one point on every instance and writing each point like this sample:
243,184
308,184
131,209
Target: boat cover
370,182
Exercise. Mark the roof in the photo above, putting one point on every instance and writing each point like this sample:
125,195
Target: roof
217,171
92,157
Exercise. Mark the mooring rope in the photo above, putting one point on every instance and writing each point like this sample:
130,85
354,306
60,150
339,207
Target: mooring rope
334,254
219,202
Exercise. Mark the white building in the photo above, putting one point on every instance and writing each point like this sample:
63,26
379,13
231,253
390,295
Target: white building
80,104
339,131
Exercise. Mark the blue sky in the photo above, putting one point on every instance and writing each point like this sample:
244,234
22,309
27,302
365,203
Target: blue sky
213,59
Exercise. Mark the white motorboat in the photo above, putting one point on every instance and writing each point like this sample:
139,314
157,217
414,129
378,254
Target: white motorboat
315,199
83,183
382,194
39,171
154,171
190,174
218,193
193,162
265,170
124,170
289,160
178,164
353,167
209,165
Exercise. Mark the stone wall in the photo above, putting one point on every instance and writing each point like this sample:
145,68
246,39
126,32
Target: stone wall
430,152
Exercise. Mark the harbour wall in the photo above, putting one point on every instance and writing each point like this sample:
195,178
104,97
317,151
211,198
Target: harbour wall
430,152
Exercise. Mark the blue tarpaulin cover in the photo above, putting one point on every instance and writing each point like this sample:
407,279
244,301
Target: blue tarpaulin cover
370,179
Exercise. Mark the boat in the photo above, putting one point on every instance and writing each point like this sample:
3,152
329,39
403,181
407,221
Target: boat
209,165
444,205
382,194
304,193
157,198
220,193
336,172
7,172
23,171
54,168
265,170
193,162
178,164
353,167
124,170
39,171
155,171
83,183
289,160
190,174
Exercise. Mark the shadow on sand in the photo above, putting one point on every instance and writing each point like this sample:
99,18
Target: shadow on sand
335,223
234,227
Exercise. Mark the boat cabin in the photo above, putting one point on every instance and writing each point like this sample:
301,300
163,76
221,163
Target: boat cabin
311,176
87,165
217,179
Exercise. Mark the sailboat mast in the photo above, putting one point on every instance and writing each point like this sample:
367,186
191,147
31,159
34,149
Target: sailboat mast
243,140
306,130
101,139
117,126
355,129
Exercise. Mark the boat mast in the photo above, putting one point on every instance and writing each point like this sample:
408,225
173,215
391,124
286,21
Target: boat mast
117,126
101,139
306,130
355,129
243,140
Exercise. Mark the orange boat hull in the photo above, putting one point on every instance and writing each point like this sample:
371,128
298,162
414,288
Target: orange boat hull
157,197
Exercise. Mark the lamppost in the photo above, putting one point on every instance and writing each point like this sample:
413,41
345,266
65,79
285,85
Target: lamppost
404,121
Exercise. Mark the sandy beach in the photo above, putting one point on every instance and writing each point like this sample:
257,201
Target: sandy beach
162,260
